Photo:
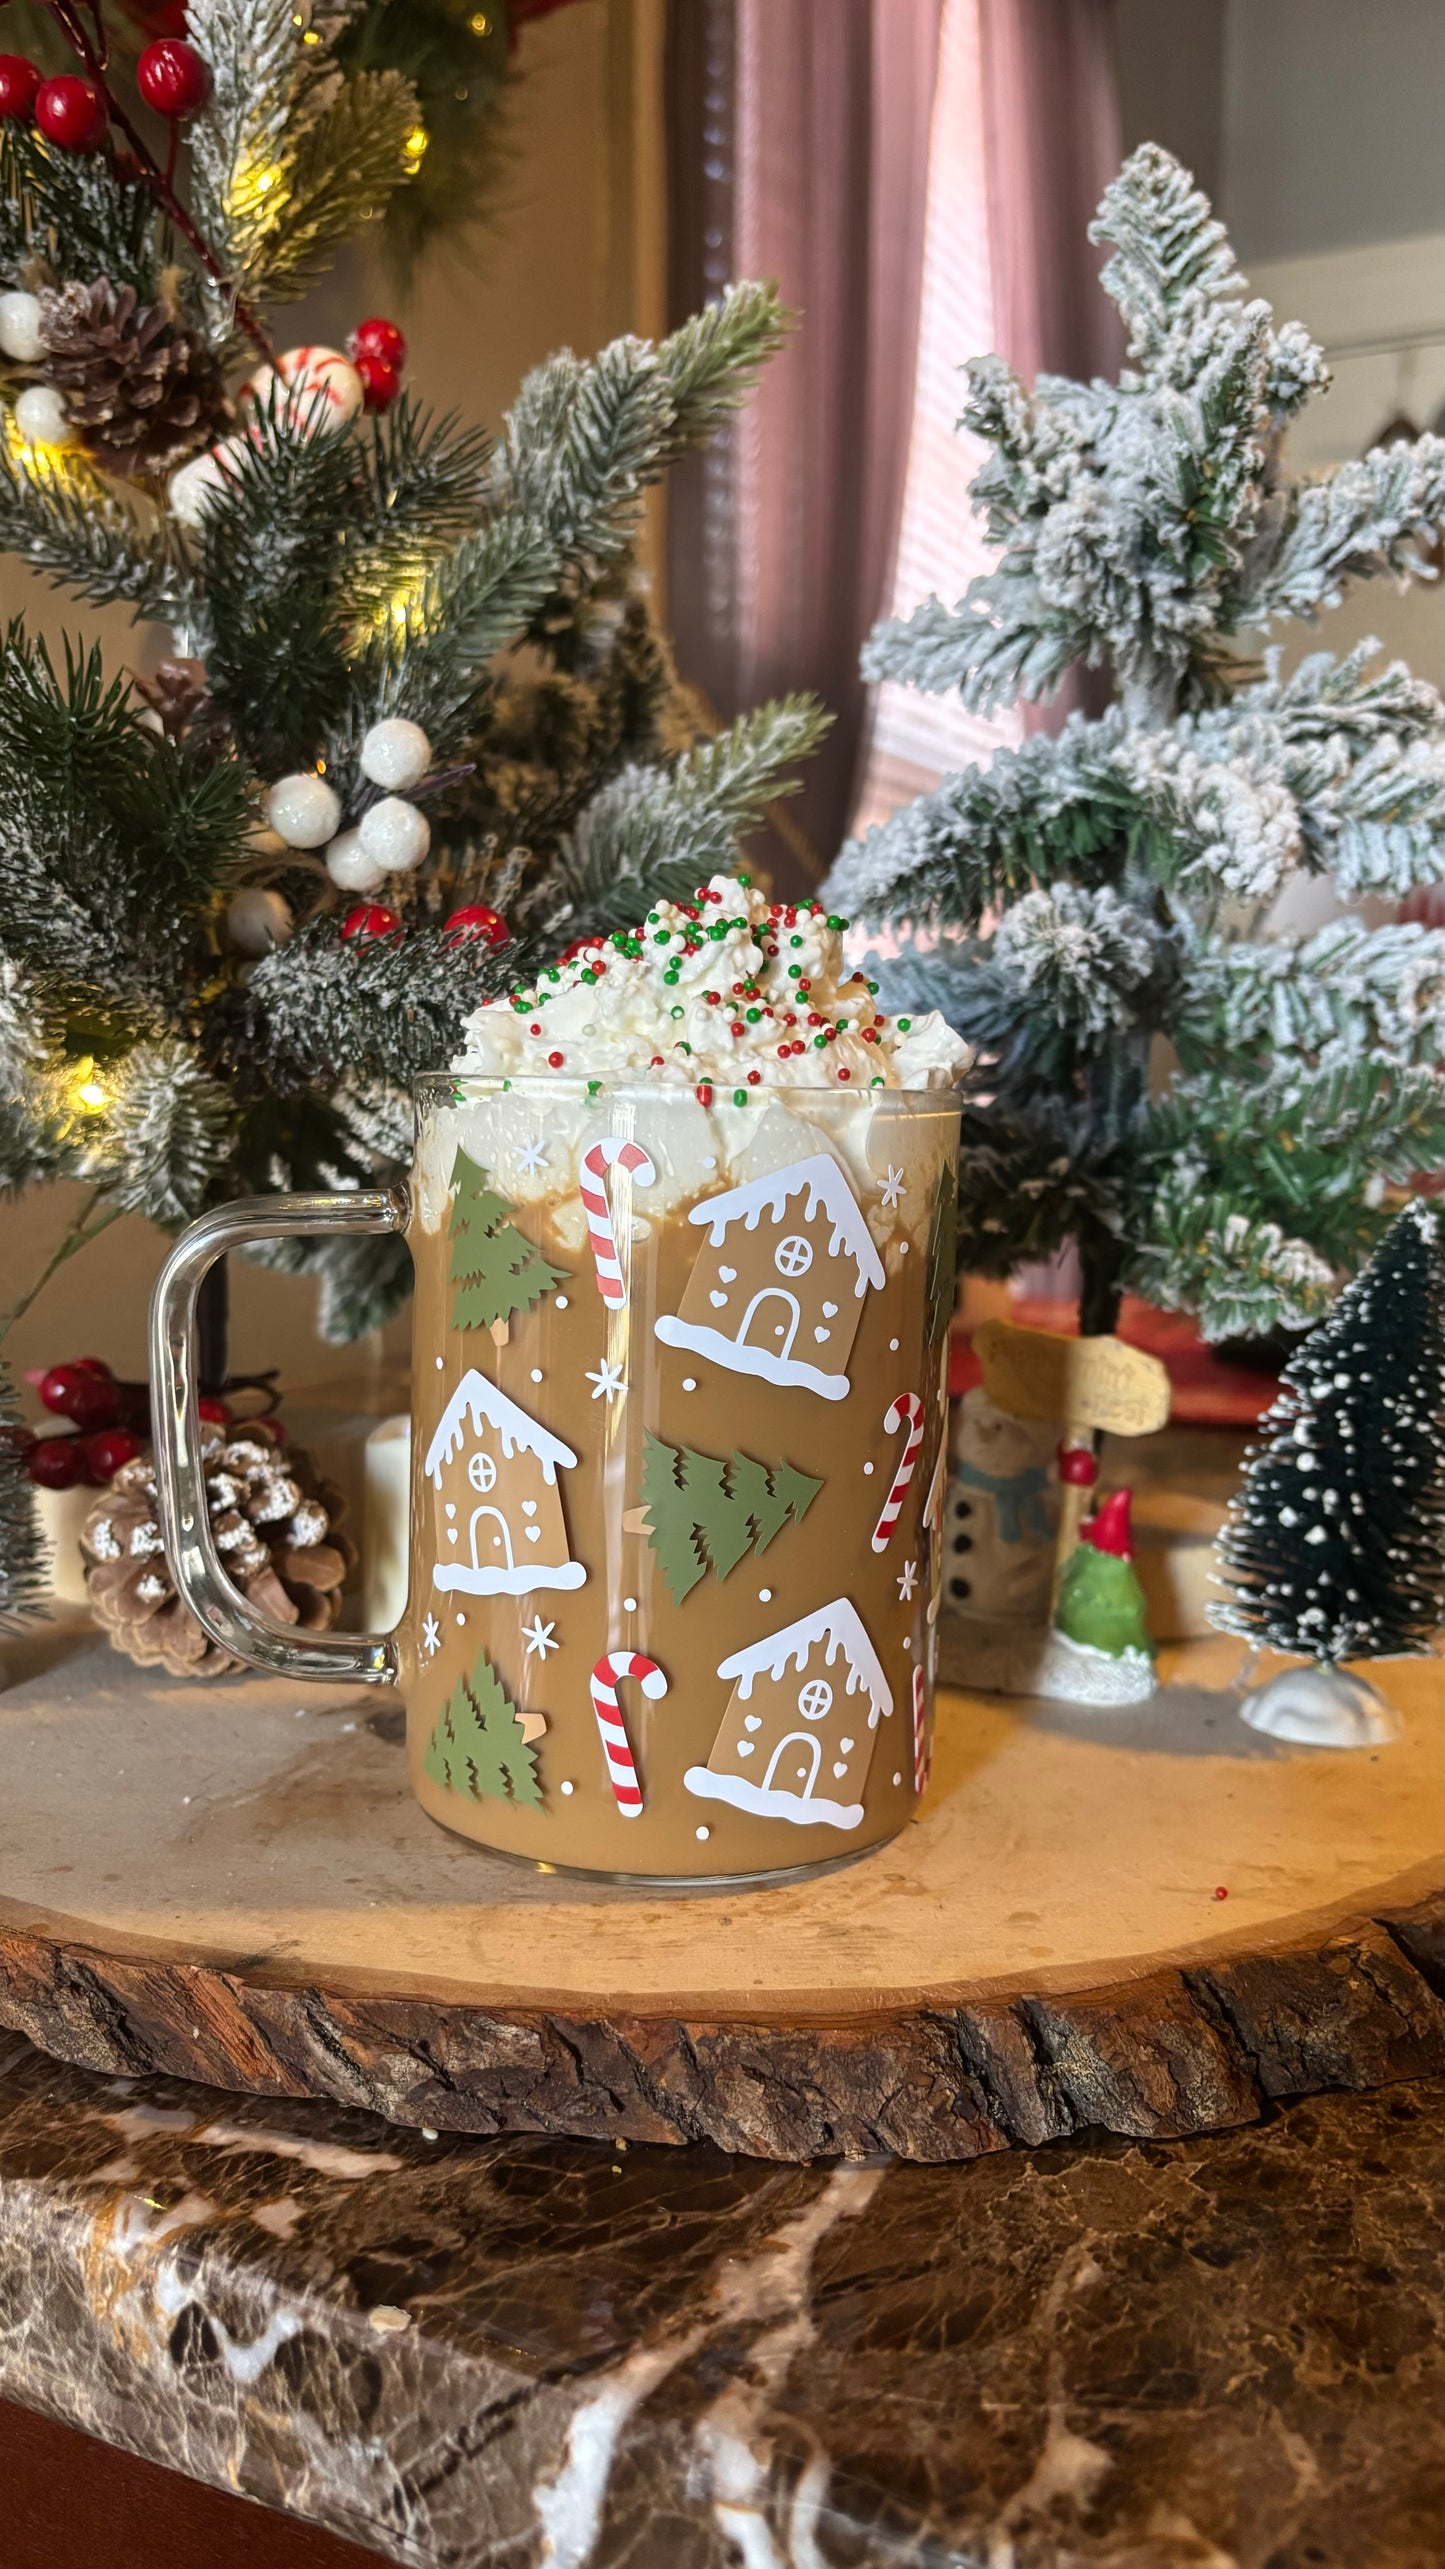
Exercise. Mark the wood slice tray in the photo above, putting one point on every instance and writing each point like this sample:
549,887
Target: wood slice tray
231,1883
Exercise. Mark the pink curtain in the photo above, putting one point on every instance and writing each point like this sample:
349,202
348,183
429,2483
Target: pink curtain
1051,122
799,150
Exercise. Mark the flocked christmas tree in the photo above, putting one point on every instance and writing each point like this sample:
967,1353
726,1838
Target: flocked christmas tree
495,1268
1335,1545
418,730
1206,1110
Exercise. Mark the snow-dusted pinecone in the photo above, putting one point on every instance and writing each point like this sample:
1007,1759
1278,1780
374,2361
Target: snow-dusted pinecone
140,388
178,693
275,1524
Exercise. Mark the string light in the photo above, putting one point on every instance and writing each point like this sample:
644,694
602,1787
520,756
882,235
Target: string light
415,145
87,1091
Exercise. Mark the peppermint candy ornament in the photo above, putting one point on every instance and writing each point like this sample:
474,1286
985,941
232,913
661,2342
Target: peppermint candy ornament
204,478
323,391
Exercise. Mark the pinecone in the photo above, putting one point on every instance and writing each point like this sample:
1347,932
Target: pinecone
178,692
141,389
275,1524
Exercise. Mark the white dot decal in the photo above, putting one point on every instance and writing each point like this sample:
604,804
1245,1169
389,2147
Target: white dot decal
561,1302
908,1641
867,1468
462,1621
689,1383
441,1364
704,1834
897,1779
536,1373
569,1788
765,1596
893,1346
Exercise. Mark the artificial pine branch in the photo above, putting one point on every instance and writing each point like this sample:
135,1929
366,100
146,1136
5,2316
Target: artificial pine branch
64,519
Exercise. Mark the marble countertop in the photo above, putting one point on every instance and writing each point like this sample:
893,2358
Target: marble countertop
1212,2354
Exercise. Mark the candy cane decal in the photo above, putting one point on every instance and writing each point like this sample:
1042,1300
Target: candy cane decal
921,1759
606,1154
616,1746
906,1406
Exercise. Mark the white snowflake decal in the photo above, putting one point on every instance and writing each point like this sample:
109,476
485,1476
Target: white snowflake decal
540,1637
607,1382
532,1156
431,1636
894,1186
907,1579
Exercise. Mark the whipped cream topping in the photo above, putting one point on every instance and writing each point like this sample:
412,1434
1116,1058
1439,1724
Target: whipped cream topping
726,994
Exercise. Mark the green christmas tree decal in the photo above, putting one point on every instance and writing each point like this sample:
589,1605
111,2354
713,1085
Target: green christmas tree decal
496,1269
703,1513
477,1745
942,1254
1101,1603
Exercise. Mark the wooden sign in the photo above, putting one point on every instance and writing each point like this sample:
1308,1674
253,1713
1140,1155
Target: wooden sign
1096,1383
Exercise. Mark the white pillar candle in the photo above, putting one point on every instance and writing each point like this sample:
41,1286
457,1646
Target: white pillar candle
385,1570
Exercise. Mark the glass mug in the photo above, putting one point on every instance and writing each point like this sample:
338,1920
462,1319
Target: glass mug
679,1421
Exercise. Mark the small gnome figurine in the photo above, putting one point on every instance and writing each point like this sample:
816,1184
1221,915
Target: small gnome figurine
1100,1651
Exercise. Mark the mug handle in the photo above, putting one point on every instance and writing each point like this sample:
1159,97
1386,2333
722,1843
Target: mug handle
224,1615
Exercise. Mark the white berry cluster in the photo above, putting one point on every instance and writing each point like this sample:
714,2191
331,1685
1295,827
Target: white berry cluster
39,412
392,835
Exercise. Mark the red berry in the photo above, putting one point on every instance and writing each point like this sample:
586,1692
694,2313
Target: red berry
377,338
380,383
55,1462
72,113
173,78
19,81
56,1387
135,1408
216,1413
105,1453
554,1061
369,920
477,921
1221,1891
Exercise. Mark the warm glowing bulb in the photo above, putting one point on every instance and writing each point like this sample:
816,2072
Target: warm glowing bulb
480,23
90,1093
416,143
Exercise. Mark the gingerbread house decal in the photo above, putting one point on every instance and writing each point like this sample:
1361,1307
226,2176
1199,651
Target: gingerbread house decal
777,1290
796,1741
500,1526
